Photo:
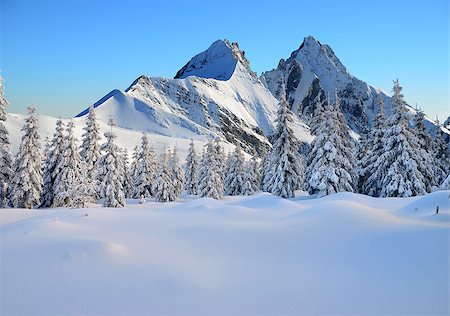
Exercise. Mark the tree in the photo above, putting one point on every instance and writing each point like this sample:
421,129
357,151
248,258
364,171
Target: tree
220,157
83,192
446,183
234,180
126,175
441,153
146,169
163,185
285,166
191,170
375,148
318,115
5,151
111,189
69,167
53,157
329,167
210,181
90,149
396,169
176,172
26,184
251,178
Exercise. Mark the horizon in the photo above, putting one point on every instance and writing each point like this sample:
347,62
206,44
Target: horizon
49,43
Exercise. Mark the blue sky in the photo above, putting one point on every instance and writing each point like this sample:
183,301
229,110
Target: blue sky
65,55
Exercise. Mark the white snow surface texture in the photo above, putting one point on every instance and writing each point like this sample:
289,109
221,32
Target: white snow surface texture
342,254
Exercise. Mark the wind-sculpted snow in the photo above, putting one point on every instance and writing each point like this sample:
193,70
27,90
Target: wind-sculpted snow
341,254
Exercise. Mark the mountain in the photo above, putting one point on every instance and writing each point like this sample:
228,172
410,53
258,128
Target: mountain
215,94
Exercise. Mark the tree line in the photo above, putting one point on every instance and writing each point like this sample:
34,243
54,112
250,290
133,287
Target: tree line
392,160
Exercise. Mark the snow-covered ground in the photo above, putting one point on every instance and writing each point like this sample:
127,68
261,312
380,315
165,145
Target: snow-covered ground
342,254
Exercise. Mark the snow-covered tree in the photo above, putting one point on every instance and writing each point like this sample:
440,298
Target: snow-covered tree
251,177
69,167
210,180
441,154
52,159
396,169
221,159
5,151
318,115
126,175
191,171
134,165
26,183
83,192
111,189
234,179
425,163
286,166
164,188
176,172
375,148
266,172
146,170
329,169
90,149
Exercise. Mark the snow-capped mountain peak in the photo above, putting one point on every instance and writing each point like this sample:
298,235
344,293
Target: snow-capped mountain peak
218,62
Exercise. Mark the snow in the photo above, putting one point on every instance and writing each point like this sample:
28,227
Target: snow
341,254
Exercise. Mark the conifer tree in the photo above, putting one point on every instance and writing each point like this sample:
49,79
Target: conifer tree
234,180
111,189
126,174
445,185
83,192
176,173
90,149
318,115
191,171
254,174
329,168
53,157
5,151
375,148
146,170
69,170
221,160
164,188
26,183
396,169
210,181
134,166
441,154
286,167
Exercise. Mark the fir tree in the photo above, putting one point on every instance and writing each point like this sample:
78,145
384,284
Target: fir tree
163,185
318,116
286,168
191,171
69,170
221,160
90,149
254,173
5,151
176,173
51,169
396,169
210,181
146,169
82,192
26,183
329,169
126,174
111,189
375,148
441,154
234,180
134,166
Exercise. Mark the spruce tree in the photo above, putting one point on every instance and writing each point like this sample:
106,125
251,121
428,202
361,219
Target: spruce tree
176,173
82,192
318,115
254,173
90,149
286,167
51,169
329,168
210,181
134,166
111,189
375,144
441,154
69,167
126,174
26,183
191,171
146,169
5,151
164,188
396,169
221,160
234,180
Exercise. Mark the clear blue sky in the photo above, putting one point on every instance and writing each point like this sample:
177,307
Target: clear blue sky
65,55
